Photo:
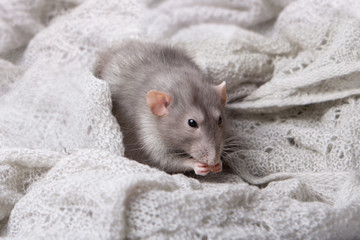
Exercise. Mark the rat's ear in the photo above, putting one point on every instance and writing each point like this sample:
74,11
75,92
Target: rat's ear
221,90
158,102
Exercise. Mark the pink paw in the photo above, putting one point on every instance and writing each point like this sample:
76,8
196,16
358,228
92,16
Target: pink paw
201,168
217,168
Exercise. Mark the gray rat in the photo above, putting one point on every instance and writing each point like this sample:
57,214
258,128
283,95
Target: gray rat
171,117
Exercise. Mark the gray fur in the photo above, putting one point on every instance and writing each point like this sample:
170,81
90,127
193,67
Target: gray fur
132,70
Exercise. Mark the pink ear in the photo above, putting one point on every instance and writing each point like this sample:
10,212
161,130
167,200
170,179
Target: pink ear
221,90
158,102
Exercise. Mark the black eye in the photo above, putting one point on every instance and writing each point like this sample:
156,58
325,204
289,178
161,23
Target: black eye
192,123
220,121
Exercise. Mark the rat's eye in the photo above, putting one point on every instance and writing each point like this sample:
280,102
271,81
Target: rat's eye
220,121
192,123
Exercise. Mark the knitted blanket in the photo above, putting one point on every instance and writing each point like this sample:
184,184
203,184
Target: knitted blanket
293,77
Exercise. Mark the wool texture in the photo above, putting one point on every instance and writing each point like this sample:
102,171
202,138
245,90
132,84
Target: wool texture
292,69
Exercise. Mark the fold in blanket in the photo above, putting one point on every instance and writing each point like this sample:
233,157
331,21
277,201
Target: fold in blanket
292,71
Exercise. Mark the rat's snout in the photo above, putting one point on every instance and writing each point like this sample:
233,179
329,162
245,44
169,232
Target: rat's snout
205,154
213,157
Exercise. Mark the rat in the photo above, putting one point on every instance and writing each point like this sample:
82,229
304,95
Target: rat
171,117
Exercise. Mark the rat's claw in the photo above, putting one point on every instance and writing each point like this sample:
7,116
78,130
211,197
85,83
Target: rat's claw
201,168
217,168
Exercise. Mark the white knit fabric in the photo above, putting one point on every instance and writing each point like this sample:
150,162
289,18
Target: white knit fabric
293,76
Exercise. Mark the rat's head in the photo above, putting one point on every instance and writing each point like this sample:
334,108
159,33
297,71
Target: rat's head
191,119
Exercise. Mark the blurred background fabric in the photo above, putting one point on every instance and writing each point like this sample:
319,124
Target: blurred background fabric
292,69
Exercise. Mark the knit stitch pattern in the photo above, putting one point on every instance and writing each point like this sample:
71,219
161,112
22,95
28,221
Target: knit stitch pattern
292,69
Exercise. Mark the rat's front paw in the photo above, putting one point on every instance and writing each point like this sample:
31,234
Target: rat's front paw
201,168
216,168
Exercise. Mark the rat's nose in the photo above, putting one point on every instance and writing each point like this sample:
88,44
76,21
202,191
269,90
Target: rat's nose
213,157
213,162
